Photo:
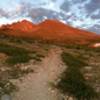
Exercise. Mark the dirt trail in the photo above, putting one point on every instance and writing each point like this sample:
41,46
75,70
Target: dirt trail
36,85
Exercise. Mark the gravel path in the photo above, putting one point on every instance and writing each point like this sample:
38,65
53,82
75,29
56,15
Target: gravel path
36,86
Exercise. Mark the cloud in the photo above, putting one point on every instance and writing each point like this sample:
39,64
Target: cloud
92,6
3,13
83,14
42,14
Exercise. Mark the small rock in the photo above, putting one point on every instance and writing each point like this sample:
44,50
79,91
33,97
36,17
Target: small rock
6,97
88,68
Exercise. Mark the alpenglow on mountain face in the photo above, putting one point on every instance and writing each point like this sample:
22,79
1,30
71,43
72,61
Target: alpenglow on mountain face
78,13
51,31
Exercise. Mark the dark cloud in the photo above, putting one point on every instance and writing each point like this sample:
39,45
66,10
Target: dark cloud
95,28
39,14
77,1
3,13
96,16
65,6
92,6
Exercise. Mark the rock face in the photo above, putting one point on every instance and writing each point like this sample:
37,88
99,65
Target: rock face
49,30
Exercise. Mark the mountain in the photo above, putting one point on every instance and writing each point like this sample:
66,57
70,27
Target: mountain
23,25
60,32
49,30
67,15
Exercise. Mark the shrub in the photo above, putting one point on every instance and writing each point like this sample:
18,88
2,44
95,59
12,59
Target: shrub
72,80
15,54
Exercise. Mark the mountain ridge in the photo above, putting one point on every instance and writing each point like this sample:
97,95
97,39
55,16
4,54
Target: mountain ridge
49,30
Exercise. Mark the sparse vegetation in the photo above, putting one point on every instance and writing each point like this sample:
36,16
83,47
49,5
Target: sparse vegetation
6,87
86,48
17,55
73,62
17,72
72,80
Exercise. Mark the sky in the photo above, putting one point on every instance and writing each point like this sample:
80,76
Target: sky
83,14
